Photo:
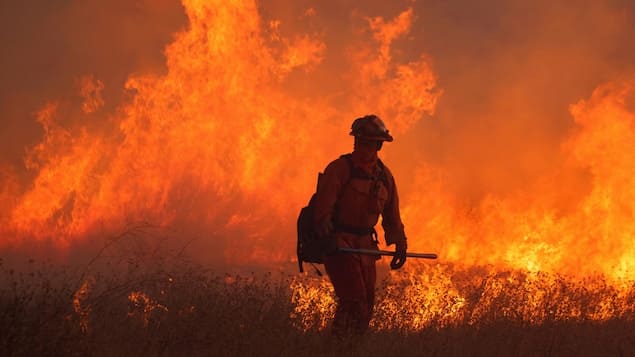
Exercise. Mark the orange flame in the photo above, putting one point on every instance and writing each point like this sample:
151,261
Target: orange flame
80,305
91,91
144,305
227,143
530,231
211,143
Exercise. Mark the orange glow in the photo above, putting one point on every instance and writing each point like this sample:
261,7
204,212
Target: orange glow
212,142
142,305
80,305
91,91
227,143
526,232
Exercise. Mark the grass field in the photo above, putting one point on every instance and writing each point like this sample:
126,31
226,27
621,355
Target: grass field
178,308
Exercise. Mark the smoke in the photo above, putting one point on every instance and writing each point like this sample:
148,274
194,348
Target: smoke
508,70
48,46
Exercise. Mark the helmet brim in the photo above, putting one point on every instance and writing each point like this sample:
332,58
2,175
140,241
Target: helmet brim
386,137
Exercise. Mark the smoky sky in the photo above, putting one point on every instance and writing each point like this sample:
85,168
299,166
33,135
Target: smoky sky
508,69
47,45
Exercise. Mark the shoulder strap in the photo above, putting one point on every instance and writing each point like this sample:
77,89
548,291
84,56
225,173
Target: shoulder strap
382,172
351,168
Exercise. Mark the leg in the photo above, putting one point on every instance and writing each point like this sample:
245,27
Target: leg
353,278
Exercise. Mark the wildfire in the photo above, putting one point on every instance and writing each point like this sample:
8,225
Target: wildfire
143,305
315,304
81,306
227,144
595,237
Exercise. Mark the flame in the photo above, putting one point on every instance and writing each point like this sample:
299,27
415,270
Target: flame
207,144
529,232
314,304
80,305
542,262
442,296
91,90
144,305
227,142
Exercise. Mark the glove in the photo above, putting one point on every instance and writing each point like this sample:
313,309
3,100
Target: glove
400,255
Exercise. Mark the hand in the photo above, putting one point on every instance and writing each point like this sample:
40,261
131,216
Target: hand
400,255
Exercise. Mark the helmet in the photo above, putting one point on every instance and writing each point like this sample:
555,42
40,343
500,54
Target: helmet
370,127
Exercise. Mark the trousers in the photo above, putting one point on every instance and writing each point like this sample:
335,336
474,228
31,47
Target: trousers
353,277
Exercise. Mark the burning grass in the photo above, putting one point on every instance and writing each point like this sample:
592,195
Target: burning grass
179,308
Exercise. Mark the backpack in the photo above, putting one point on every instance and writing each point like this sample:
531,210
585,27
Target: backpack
310,247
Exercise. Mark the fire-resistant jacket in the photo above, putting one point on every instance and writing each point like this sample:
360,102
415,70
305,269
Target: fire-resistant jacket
356,199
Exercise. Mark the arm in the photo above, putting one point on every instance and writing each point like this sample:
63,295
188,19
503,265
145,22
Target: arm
391,217
329,188
393,227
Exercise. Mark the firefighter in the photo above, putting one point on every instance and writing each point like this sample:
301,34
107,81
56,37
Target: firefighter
355,190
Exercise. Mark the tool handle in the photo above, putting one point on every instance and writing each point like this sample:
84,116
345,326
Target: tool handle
387,253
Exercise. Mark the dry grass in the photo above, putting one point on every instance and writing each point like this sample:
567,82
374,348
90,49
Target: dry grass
178,308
